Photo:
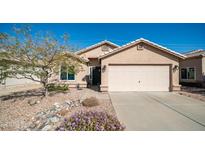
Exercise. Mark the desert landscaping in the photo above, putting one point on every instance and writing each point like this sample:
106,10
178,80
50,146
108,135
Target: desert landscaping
29,110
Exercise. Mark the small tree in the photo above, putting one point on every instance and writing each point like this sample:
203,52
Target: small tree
35,56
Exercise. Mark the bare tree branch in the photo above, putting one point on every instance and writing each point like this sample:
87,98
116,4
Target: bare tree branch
36,57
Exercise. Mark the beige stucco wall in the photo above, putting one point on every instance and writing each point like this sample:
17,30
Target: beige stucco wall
195,63
148,55
17,82
203,67
80,78
92,55
94,62
95,52
203,71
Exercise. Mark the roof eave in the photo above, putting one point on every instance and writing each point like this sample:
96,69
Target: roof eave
195,56
164,49
96,45
147,42
76,56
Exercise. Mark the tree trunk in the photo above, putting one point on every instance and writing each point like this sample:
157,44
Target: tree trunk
45,92
46,83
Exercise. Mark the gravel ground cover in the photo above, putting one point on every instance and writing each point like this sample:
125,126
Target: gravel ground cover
28,110
194,92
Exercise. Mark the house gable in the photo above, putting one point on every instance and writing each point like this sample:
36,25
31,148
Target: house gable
145,42
195,53
97,50
147,55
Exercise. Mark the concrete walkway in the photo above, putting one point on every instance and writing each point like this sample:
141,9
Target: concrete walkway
158,111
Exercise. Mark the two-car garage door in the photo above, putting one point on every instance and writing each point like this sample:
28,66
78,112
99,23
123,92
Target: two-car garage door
138,78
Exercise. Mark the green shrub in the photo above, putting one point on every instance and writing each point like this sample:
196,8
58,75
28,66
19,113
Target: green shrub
90,102
57,87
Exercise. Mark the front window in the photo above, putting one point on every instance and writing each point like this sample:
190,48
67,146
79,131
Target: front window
191,73
188,73
63,73
71,76
67,73
183,73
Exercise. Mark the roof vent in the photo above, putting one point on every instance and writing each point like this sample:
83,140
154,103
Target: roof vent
140,46
105,48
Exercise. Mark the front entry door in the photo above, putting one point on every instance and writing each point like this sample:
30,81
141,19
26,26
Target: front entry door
96,76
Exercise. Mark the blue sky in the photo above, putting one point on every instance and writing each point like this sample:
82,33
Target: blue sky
178,37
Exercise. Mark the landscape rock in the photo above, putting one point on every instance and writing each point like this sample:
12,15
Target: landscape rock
47,128
18,114
44,119
54,119
50,118
68,102
63,112
30,102
57,105
40,126
33,125
33,102
37,102
39,114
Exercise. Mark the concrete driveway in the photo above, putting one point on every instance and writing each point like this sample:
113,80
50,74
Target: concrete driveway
158,111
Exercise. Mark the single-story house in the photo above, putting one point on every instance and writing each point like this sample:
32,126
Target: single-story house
140,65
192,69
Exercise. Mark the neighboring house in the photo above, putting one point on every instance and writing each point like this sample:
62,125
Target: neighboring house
14,81
192,69
137,66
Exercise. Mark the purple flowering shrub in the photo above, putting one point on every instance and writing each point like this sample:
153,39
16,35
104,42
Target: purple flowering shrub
91,121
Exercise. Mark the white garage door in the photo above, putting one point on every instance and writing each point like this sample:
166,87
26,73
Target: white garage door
138,78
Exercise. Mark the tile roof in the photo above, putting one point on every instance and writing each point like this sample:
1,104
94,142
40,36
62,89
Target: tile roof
199,52
144,41
96,45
